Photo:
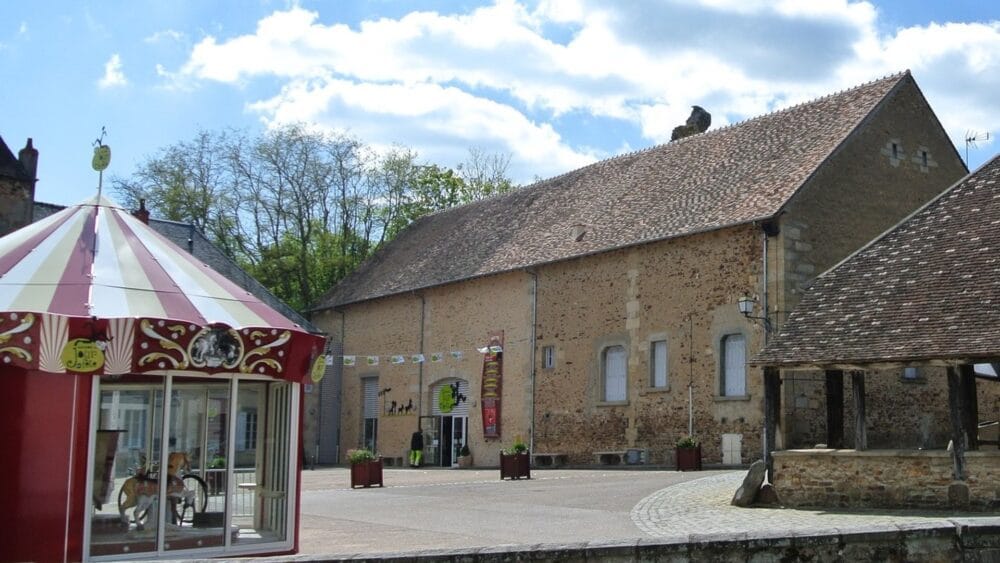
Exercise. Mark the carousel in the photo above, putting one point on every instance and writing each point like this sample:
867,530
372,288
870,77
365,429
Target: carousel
154,405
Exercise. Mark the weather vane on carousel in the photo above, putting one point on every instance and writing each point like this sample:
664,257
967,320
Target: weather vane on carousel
102,157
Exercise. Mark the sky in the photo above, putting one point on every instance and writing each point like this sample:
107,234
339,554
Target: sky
553,84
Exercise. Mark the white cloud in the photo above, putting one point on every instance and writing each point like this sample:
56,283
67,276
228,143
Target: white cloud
113,74
165,35
509,77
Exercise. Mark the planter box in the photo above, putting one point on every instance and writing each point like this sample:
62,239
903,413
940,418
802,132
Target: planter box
465,461
515,466
689,459
367,474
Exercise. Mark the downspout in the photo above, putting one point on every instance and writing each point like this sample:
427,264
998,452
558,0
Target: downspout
763,295
532,373
339,401
420,366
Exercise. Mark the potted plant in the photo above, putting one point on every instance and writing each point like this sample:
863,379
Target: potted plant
688,454
366,468
515,461
216,474
465,456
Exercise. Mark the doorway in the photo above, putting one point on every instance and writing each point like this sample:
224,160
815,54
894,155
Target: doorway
454,430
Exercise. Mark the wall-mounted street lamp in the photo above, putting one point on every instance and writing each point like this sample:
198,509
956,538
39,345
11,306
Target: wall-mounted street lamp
746,305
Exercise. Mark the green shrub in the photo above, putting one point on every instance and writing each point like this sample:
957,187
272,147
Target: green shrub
687,442
360,456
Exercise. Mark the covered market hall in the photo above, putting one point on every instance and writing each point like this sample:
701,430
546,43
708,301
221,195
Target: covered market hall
914,311
153,406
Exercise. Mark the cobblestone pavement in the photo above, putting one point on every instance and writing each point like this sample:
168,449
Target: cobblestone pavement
702,507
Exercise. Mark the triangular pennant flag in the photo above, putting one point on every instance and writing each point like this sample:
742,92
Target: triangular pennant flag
483,350
372,360
496,349
457,354
329,360
417,358
397,359
350,360
437,357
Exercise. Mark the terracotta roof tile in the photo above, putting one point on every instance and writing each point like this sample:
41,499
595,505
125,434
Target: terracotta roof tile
929,289
723,177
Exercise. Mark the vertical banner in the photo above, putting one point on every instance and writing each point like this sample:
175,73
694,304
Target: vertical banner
492,376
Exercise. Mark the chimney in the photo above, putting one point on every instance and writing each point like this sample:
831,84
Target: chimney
28,156
142,213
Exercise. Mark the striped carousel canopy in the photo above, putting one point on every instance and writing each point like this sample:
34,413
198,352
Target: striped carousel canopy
92,289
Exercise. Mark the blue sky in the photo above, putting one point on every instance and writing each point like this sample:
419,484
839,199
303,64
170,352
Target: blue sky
555,84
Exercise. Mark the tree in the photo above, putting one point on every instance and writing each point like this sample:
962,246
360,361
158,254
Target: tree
300,208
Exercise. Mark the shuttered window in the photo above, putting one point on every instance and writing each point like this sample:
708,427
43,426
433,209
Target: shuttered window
734,370
370,397
658,363
614,373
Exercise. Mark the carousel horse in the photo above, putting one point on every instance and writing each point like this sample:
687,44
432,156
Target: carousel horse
141,490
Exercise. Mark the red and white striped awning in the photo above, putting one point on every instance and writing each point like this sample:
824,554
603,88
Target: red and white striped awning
92,289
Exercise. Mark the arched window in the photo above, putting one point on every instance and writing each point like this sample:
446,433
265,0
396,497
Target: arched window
614,367
734,367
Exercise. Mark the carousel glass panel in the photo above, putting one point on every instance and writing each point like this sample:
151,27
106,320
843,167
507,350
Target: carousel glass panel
261,451
202,438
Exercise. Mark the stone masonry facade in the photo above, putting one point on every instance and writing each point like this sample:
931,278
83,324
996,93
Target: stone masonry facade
683,290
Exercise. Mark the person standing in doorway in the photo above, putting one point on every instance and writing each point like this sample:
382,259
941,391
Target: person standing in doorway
416,448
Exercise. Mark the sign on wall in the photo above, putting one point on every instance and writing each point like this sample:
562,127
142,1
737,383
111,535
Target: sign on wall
491,391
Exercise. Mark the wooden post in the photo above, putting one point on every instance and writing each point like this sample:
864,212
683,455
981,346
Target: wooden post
970,406
957,432
835,408
858,388
772,413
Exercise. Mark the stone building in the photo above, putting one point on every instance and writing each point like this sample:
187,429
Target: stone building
17,185
615,286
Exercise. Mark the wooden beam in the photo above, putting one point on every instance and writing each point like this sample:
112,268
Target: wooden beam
858,388
957,432
772,414
970,406
835,408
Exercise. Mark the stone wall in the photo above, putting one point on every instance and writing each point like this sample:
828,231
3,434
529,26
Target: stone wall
682,290
862,191
883,479
455,317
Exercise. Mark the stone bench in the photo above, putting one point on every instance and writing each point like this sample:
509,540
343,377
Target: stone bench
548,460
610,458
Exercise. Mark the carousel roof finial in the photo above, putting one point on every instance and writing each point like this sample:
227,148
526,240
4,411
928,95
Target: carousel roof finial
101,160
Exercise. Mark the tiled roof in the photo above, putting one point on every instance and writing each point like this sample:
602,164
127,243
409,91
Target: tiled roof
929,289
10,166
724,177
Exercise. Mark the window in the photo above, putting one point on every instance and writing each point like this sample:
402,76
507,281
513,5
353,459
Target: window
912,374
549,357
923,155
246,429
370,412
733,369
895,150
614,366
658,363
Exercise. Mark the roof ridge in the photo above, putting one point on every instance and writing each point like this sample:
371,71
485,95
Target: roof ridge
678,142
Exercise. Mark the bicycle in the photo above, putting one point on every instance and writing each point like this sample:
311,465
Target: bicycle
187,493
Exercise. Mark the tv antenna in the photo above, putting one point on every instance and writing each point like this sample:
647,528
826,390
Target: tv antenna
971,137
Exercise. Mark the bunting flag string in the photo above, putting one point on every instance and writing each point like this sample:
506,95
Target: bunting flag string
353,360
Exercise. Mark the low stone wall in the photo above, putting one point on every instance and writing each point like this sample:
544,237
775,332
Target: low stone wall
885,479
961,540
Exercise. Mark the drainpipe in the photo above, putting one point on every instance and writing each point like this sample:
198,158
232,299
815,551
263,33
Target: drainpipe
763,295
340,385
532,373
420,366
